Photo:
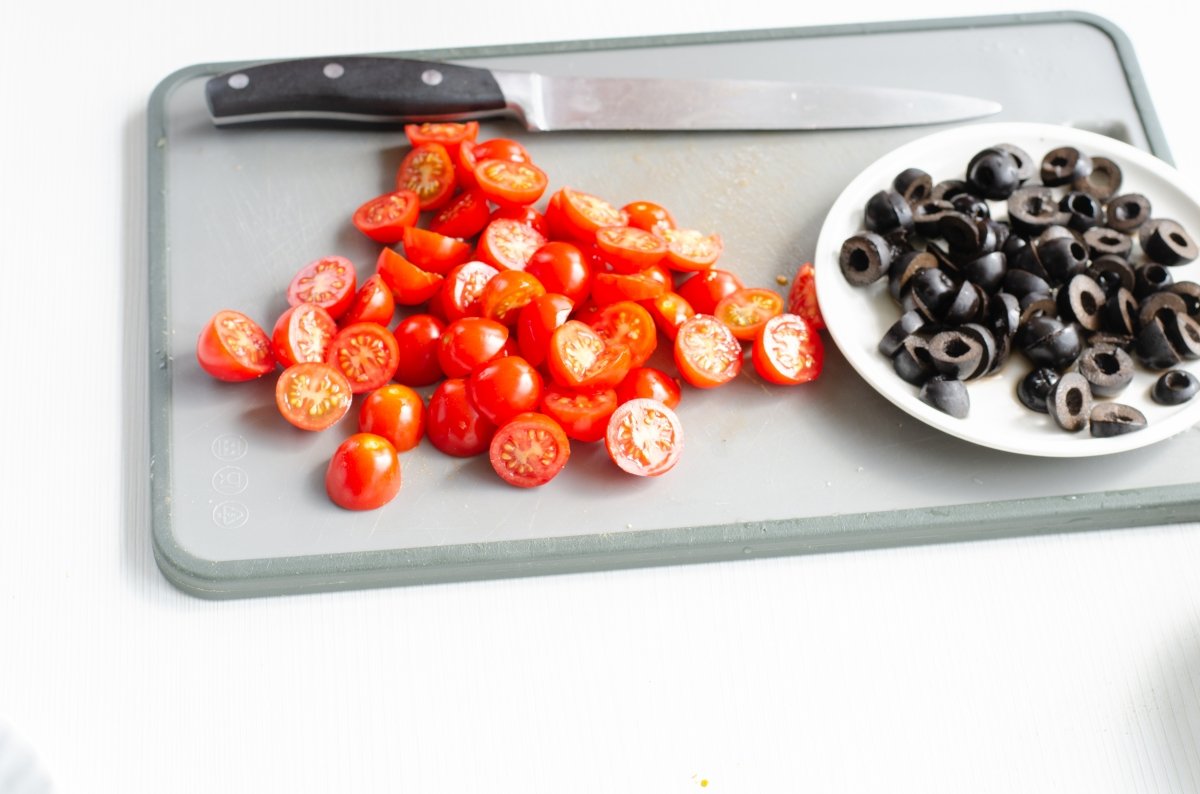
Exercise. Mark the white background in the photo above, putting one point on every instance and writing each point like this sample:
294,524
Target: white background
1061,663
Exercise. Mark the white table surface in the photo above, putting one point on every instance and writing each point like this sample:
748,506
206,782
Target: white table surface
1056,663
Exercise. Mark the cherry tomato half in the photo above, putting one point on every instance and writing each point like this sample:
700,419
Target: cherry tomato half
470,343
232,347
706,352
746,310
705,290
418,337
508,182
428,171
507,293
644,437
303,333
505,387
613,287
465,215
626,323
453,424
788,351
329,282
395,412
384,218
584,214
364,473
529,450
630,249
508,244
562,268
409,284
434,252
463,289
802,297
366,353
651,383
312,395
500,149
536,323
583,415
689,250
450,134
579,358
373,303
669,310
649,216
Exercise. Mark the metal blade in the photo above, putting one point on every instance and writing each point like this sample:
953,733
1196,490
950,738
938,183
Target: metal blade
548,103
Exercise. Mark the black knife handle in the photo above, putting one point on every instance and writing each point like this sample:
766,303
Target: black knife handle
354,88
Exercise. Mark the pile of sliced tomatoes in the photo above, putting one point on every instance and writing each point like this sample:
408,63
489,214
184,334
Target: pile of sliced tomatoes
535,327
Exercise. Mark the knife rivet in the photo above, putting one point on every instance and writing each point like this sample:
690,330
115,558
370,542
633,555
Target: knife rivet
239,80
334,70
431,77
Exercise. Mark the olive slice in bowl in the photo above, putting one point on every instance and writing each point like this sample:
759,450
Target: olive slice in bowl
1115,419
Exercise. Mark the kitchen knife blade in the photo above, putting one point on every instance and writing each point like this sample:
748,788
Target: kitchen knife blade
393,90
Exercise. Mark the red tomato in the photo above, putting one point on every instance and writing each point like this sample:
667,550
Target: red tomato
373,303
613,287
507,293
584,214
536,323
312,395
366,353
802,298
525,214
644,437
434,252
303,333
395,412
583,415
364,473
669,310
561,267
465,215
650,383
410,285
450,134
705,290
649,216
626,323
529,450
746,310
660,274
428,171
453,424
329,282
418,337
706,352
384,218
788,351
630,249
508,244
470,343
463,290
500,149
579,358
232,347
556,219
505,387
508,182
688,249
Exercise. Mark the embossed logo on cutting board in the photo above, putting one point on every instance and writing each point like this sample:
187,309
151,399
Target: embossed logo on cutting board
231,515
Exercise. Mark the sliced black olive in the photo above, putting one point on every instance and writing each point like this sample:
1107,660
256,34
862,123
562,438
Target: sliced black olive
908,324
1128,212
1190,292
1102,241
960,232
955,354
1026,165
1036,305
988,271
1034,389
1058,349
1167,243
1022,282
913,184
865,258
1120,312
1158,303
1081,300
1083,211
948,189
944,260
1153,347
1031,209
971,205
912,361
993,174
1150,278
1109,339
947,395
1104,180
1057,231
987,342
1063,258
907,266
1184,333
1111,273
1001,232
933,292
969,303
928,214
1064,165
887,210
1114,419
1003,315
1107,369
1070,402
1025,258
1174,387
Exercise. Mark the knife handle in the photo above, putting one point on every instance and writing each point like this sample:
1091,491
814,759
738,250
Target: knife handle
354,88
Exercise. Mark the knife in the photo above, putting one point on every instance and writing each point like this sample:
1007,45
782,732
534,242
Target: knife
377,89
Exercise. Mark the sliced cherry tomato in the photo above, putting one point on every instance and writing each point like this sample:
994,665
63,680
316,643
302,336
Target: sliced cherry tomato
788,351
232,347
508,244
409,284
705,290
583,415
584,214
453,424
650,383
536,323
507,293
706,352
428,171
561,267
508,182
373,303
465,215
463,288
470,343
579,358
364,473
626,323
419,338
613,287
746,310
312,395
450,134
366,353
525,214
649,216
329,282
384,218
556,220
395,412
500,149
434,252
669,310
505,387
689,249
529,450
802,297
660,274
303,333
644,437
630,249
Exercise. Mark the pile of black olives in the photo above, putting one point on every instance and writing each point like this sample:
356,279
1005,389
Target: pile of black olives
1073,275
